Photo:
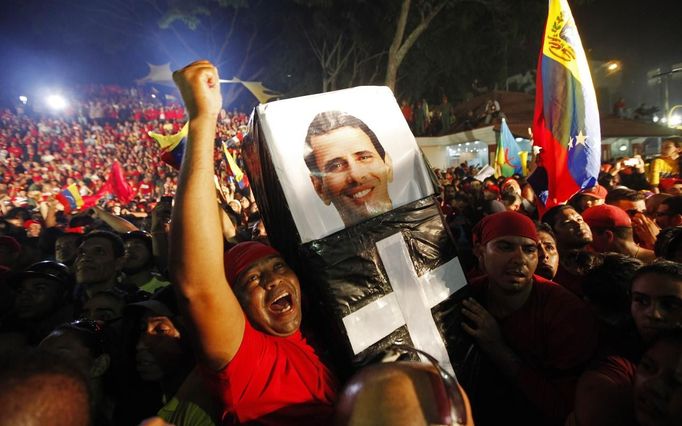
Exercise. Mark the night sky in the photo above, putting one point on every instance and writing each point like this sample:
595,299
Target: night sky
42,43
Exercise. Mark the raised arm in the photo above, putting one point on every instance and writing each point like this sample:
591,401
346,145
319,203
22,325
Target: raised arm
196,245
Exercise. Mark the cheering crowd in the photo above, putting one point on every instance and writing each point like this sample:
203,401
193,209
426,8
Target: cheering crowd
575,312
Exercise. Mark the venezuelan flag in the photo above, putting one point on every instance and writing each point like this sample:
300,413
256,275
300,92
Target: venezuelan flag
508,154
70,198
566,119
172,146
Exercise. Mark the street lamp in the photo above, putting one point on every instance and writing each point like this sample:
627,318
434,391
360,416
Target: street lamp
674,120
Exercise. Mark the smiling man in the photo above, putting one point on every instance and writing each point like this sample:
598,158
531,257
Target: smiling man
348,166
245,309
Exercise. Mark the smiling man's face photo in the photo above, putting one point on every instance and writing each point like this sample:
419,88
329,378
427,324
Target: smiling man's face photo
348,166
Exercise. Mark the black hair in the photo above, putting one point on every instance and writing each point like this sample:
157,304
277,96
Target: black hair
543,227
668,242
674,204
627,194
115,240
551,215
328,121
143,236
606,285
661,267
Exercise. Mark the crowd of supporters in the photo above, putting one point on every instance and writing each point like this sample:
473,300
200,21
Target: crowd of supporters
597,342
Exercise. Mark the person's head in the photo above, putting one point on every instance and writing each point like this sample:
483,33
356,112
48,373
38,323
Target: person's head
448,193
657,298
511,201
100,257
606,287
33,228
658,383
669,244
671,186
589,197
568,225
139,254
104,307
83,342
548,254
267,288
39,293
348,166
43,388
669,212
161,351
611,227
66,247
628,200
671,147
506,244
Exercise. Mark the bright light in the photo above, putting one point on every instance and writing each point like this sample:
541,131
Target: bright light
664,120
656,118
23,99
613,66
466,144
623,148
56,102
519,139
675,120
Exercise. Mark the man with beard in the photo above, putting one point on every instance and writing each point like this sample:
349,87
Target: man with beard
348,166
536,336
573,236
139,263
99,260
245,324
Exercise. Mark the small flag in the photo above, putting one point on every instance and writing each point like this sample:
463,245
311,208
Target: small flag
233,168
566,119
507,156
70,198
172,146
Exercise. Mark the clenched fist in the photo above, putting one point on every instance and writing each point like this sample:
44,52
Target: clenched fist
200,89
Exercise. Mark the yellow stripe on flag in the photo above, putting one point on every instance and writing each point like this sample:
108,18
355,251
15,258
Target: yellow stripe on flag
169,142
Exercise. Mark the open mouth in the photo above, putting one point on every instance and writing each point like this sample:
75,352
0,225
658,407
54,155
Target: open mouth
282,304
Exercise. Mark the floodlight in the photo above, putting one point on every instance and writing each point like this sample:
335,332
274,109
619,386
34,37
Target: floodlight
23,99
56,102
656,118
674,120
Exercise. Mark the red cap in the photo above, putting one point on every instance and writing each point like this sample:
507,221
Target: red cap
504,224
28,223
668,183
241,256
596,191
606,217
493,188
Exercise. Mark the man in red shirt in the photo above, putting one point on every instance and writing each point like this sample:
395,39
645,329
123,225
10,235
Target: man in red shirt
534,334
246,326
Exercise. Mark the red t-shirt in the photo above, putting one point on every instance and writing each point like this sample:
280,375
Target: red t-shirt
274,381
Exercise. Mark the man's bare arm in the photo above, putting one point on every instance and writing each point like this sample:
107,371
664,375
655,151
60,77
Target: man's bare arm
196,247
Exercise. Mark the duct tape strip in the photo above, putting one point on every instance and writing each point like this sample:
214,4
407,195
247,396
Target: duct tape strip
410,303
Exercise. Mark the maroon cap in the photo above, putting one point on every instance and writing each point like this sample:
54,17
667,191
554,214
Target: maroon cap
596,191
606,217
241,256
504,224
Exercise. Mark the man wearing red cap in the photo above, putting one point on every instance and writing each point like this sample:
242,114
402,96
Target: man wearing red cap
535,334
612,232
246,326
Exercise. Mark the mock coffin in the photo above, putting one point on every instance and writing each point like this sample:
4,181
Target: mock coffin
347,198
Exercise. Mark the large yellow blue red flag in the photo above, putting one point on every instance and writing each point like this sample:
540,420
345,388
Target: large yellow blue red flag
566,119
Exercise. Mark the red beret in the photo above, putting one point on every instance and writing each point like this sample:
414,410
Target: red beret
606,217
596,191
504,224
241,256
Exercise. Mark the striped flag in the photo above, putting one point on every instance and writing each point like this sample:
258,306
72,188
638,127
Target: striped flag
172,146
70,198
566,119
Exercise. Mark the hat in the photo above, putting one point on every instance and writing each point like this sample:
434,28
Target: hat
28,223
513,184
504,224
243,255
492,188
163,303
606,217
596,191
668,183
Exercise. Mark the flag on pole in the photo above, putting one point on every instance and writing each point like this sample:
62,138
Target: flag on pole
70,198
566,119
233,167
508,153
172,146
